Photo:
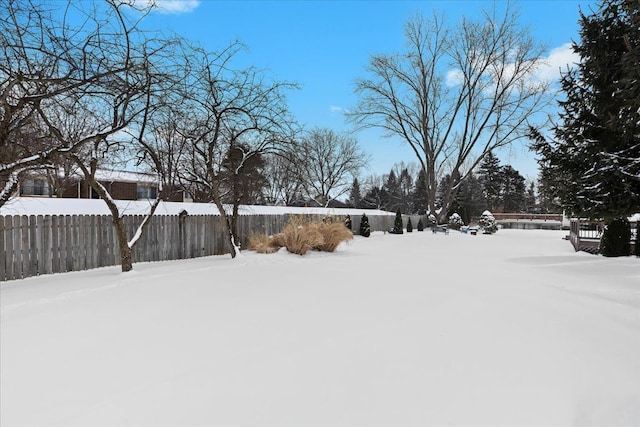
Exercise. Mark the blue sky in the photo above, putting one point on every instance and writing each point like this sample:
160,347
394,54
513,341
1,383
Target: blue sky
325,45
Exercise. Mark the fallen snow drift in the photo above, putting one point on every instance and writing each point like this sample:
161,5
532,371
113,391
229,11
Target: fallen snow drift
513,329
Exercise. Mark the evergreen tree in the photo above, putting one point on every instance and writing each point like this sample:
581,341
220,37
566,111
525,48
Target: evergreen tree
593,161
488,223
420,200
394,193
365,229
347,222
409,225
397,224
455,221
405,183
355,198
616,237
469,201
432,221
420,225
512,190
491,180
530,205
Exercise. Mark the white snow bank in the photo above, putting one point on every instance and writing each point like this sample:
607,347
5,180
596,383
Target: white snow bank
419,329
55,206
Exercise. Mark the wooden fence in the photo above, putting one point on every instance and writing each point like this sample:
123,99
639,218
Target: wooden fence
35,245
585,235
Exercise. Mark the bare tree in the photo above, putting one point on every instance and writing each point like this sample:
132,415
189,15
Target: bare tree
455,94
329,161
51,64
85,90
238,112
284,186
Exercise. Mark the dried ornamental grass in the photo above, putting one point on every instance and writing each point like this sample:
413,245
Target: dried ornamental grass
264,244
299,239
333,234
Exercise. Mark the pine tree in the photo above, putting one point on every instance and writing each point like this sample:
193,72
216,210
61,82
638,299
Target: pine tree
420,225
616,237
490,178
397,224
593,161
455,221
355,198
347,222
409,225
488,223
420,200
365,229
512,191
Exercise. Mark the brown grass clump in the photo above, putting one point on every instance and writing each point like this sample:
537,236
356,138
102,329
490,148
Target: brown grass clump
333,234
300,236
264,244
299,239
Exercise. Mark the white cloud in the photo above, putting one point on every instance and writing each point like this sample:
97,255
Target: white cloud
454,78
171,6
335,109
558,60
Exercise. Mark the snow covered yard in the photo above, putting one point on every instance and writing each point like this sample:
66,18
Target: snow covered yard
513,329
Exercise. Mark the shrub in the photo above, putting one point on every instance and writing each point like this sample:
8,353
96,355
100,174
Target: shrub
264,244
365,229
299,239
300,236
616,237
420,225
455,221
637,251
347,222
409,225
332,235
397,224
488,223
432,221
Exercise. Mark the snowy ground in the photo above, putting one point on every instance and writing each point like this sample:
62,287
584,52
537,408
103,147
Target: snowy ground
513,329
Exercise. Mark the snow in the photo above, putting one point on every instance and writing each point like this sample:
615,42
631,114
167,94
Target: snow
511,329
55,206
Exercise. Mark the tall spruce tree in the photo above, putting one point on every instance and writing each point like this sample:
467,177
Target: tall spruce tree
593,161
491,180
355,196
512,190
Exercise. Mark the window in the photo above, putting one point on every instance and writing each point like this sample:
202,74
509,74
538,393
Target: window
147,192
35,187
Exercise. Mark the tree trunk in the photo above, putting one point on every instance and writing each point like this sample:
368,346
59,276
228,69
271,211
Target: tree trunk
126,255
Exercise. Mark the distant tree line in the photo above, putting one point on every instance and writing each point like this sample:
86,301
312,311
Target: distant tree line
496,187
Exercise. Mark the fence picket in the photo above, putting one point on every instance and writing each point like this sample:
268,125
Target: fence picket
3,250
35,245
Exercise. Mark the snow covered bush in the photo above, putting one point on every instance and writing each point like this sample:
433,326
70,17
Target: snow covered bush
488,223
409,225
616,237
432,221
365,228
397,224
455,221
